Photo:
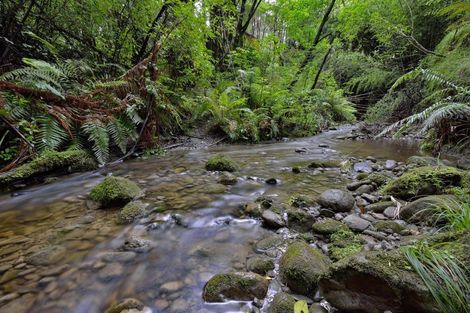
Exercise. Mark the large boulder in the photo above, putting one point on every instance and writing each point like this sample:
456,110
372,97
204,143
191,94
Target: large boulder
336,200
424,209
374,282
282,303
114,191
423,181
239,286
221,163
301,266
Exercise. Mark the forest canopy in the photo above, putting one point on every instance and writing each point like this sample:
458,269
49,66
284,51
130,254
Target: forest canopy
114,76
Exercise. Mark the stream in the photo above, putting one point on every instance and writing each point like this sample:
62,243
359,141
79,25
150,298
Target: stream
198,234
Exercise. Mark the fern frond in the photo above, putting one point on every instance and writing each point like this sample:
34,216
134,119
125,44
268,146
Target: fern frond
451,111
122,132
51,135
98,136
406,78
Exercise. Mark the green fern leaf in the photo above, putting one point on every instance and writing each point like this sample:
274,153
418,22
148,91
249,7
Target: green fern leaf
98,136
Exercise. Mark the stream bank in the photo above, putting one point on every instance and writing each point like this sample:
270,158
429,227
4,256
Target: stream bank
58,255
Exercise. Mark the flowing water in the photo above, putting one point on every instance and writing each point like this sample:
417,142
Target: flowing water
198,235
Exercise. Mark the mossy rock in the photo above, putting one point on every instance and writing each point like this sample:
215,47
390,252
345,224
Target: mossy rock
378,178
425,181
299,220
424,209
328,226
379,207
221,163
344,243
114,191
324,164
282,303
301,266
301,201
388,226
239,286
260,264
422,161
131,211
48,163
127,305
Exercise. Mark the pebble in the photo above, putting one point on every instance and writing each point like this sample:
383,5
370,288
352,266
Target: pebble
172,286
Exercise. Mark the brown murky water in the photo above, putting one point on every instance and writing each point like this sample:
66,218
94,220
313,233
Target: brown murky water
77,270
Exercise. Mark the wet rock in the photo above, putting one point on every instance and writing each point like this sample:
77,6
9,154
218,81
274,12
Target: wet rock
273,220
221,163
365,189
422,161
271,181
328,226
125,256
388,226
369,198
336,200
324,164
354,185
179,305
126,305
172,286
260,264
114,191
424,181
131,211
378,179
228,179
422,210
19,305
301,201
136,244
356,223
374,282
9,275
296,170
240,286
299,219
390,165
363,167
301,266
269,243
252,209
282,303
301,150
379,207
111,271
47,256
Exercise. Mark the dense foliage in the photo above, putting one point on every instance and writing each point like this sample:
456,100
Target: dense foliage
117,75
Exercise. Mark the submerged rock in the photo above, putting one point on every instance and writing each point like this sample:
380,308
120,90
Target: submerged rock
128,305
221,163
131,211
301,266
336,200
374,282
282,303
136,244
240,286
228,179
47,256
114,191
425,181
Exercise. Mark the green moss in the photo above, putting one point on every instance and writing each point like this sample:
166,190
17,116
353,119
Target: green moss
114,191
50,162
282,303
130,212
235,286
221,163
388,225
299,220
328,226
378,179
426,180
324,164
344,243
362,176
126,305
301,201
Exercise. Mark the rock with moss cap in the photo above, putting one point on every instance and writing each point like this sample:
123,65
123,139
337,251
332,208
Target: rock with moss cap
378,178
127,305
114,191
301,266
344,243
300,220
423,181
49,163
131,211
239,286
374,282
324,164
221,163
388,226
260,264
282,303
328,226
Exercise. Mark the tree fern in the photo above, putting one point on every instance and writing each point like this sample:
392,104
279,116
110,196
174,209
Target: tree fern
98,136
